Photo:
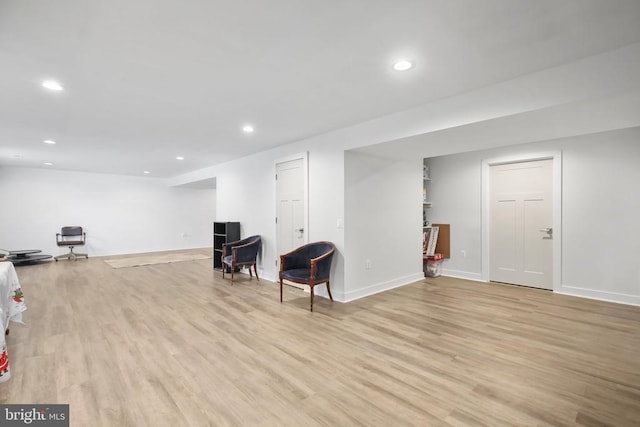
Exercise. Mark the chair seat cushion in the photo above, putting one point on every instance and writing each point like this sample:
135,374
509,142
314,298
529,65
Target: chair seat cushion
227,260
71,243
298,274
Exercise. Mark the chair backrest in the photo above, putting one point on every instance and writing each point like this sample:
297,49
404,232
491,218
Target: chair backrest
71,236
250,239
317,249
71,231
302,256
249,253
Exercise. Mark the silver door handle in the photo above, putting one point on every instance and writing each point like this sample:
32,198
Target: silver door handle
548,230
301,230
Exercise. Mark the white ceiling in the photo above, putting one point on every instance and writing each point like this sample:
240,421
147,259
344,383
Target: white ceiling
148,80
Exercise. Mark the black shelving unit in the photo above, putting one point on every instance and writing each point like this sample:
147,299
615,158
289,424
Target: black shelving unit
223,232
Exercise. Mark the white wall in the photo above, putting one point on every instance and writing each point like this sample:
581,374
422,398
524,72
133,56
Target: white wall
246,193
600,207
382,236
572,99
120,214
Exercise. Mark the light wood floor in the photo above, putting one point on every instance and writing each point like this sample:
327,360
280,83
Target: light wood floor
175,345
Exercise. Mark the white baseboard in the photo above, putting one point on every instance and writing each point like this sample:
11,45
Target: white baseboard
380,287
600,295
564,290
269,277
477,277
261,274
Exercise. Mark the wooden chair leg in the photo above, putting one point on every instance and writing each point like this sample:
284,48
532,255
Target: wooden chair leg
250,274
281,289
224,267
232,268
255,268
329,291
311,298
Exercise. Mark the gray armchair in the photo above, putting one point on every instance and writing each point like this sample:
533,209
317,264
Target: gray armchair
241,253
308,265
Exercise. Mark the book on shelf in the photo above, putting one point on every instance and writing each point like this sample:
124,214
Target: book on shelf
426,234
433,240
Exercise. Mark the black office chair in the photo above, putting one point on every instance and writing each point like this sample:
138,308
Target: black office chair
71,237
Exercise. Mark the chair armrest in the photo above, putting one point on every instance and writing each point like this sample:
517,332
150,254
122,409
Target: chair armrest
321,266
84,236
245,253
226,250
227,247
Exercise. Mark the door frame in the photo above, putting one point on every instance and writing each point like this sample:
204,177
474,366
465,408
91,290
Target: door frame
556,156
304,156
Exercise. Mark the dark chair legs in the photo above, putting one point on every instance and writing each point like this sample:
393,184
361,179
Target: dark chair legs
311,293
232,269
255,269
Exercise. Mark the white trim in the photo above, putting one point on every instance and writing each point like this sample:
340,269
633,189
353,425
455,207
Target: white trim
304,156
381,287
467,275
556,156
600,295
261,273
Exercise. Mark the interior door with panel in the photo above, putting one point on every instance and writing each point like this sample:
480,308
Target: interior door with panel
290,205
521,218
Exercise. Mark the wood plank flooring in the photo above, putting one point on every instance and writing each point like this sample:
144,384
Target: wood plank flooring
175,345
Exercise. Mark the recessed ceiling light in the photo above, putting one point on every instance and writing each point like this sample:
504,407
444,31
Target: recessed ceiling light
52,85
49,141
146,172
247,129
403,65
48,163
179,158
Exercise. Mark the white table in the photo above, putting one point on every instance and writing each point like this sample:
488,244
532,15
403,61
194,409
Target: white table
11,307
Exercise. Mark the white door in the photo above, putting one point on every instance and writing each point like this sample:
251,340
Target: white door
520,222
290,205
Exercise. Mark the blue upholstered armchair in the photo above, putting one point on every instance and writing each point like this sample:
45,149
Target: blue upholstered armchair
308,265
241,253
